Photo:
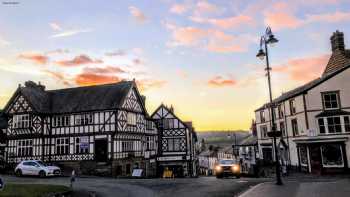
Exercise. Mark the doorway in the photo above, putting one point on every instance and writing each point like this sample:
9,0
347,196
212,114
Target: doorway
315,160
101,150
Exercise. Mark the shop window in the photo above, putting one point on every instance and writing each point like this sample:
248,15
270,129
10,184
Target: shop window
334,125
330,100
332,155
321,125
303,156
347,123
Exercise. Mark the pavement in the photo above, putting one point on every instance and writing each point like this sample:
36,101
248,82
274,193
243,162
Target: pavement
323,187
181,187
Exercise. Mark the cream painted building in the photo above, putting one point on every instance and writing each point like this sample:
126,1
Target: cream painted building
314,119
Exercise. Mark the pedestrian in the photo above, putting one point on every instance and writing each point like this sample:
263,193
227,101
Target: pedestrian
72,178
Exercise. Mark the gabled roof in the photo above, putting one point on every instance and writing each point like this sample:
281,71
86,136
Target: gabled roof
88,98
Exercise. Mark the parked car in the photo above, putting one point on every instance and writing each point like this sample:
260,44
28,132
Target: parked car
36,168
227,167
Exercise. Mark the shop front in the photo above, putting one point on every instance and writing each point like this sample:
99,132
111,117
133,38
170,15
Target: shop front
322,157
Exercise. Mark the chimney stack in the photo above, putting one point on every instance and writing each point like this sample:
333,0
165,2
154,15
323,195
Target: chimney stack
337,41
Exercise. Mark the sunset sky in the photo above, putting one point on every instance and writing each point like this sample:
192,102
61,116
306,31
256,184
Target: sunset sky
198,56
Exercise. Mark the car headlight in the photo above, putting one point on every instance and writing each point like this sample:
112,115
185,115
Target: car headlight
235,168
218,168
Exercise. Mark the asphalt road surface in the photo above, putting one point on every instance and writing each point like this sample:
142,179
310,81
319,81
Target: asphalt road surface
191,187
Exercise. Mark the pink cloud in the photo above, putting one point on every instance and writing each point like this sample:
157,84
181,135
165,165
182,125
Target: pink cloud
147,84
282,20
219,81
329,17
34,57
226,23
203,7
179,8
188,36
303,69
79,60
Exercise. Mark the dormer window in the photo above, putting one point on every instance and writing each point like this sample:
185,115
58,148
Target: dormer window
330,100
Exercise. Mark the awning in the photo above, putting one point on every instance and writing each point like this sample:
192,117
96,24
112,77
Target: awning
327,113
320,140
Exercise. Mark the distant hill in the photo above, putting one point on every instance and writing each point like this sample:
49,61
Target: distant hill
222,138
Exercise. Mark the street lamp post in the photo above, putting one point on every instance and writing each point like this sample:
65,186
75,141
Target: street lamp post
269,39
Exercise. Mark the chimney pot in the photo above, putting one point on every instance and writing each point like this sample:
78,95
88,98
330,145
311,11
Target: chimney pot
337,41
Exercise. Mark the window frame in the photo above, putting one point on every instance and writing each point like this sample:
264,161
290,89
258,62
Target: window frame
346,124
334,126
263,131
292,107
262,116
337,93
131,119
62,148
295,129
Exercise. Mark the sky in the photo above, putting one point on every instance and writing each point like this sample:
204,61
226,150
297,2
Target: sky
197,55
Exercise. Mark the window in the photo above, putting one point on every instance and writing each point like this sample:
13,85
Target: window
262,116
25,148
292,107
280,111
21,121
332,155
347,123
330,100
131,119
173,144
83,119
283,129
127,146
295,127
62,146
263,130
321,125
334,125
60,121
81,145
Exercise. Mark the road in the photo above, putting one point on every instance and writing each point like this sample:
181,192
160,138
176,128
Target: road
191,187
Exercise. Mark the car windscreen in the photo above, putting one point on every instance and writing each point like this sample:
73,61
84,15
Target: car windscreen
226,162
41,163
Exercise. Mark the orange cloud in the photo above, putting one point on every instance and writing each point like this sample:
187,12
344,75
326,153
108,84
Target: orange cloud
303,69
137,14
34,57
59,76
220,81
85,79
99,75
78,60
188,36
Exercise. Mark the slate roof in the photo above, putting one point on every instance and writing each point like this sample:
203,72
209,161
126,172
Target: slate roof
79,99
337,112
304,88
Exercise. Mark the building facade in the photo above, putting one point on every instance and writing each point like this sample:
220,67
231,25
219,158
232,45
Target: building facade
85,127
176,148
314,119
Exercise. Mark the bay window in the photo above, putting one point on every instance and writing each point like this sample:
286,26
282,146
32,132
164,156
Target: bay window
347,123
321,125
334,125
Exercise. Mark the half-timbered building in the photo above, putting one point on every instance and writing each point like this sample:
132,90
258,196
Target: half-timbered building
176,150
85,126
